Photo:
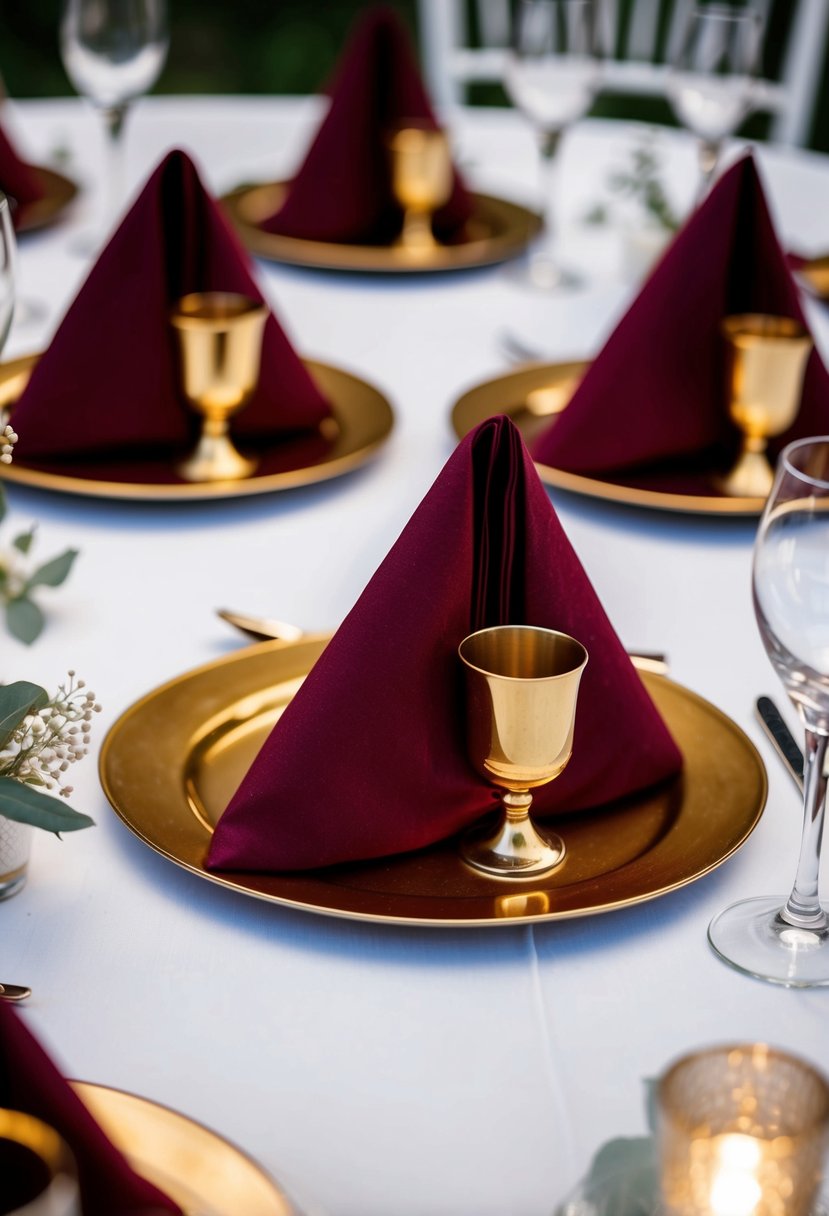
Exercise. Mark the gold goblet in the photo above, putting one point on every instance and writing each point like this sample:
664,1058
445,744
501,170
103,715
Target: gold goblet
421,181
767,361
220,342
521,688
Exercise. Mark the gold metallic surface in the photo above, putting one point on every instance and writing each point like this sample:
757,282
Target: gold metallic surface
521,686
220,352
521,395
58,193
814,276
742,1130
363,419
38,1137
421,182
172,761
496,231
766,362
195,1167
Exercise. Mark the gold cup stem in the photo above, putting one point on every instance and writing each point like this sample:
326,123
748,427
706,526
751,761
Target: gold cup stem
416,234
516,849
752,475
215,458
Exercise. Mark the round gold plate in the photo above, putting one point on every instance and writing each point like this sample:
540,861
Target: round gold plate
193,1166
59,192
497,230
364,420
532,395
813,275
170,764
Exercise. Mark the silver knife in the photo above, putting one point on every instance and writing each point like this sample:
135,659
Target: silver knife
782,738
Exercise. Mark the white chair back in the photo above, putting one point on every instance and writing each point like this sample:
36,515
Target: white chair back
638,51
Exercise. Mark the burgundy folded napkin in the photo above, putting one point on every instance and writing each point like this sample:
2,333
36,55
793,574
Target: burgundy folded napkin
18,179
342,191
109,381
657,392
30,1082
369,759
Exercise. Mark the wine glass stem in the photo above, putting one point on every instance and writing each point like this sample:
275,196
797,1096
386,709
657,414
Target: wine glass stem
114,119
709,155
803,906
548,142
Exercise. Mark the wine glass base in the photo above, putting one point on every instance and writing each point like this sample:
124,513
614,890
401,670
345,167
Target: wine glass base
513,850
752,938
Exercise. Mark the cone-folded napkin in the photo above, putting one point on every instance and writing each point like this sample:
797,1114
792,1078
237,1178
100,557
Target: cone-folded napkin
369,758
31,1083
109,381
342,191
657,392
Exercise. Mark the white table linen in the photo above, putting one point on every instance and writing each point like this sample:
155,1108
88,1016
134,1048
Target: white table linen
377,1070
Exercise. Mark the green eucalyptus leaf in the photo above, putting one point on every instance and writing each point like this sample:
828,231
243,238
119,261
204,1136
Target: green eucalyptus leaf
17,700
623,1179
24,619
53,572
26,805
23,542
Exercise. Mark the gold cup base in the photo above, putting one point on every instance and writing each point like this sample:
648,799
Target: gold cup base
751,477
516,849
216,459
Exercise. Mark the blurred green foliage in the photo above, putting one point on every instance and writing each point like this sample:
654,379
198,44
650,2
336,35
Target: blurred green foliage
216,46
290,46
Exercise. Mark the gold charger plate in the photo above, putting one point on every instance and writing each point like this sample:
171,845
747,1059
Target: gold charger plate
364,420
199,1170
532,396
813,274
497,230
59,192
171,762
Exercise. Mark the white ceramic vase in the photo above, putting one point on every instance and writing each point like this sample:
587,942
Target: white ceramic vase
15,843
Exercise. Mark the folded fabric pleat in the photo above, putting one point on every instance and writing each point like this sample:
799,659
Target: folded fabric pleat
657,391
342,192
31,1083
369,757
109,381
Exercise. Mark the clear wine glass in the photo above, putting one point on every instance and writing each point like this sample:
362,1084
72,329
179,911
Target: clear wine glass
8,259
552,76
113,52
786,941
712,78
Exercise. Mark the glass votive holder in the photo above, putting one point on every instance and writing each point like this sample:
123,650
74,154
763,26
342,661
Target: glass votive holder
741,1131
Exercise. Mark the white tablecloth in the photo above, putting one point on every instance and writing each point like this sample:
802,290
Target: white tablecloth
377,1070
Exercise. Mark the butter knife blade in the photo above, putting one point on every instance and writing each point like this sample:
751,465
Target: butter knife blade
782,738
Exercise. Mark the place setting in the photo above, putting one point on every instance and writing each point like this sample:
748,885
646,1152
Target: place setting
68,1147
40,195
186,387
219,769
377,191
709,373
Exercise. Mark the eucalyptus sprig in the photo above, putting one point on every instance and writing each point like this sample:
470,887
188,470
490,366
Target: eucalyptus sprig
40,737
639,183
24,617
